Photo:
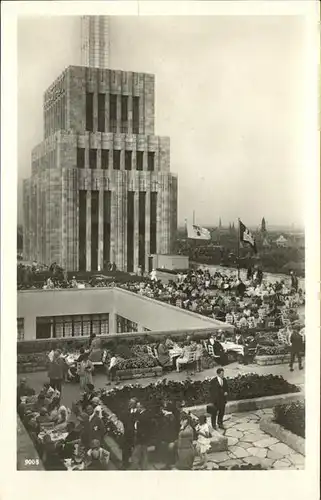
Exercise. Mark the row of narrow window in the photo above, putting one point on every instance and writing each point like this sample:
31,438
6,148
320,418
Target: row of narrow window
113,118
116,159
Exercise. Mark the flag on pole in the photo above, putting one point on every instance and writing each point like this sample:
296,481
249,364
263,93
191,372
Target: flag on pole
247,237
198,232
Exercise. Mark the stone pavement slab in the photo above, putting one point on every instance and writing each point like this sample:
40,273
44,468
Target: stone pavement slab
282,464
233,433
281,448
244,445
257,452
239,452
265,443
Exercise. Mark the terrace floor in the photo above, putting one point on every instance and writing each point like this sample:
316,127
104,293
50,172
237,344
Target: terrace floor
71,392
248,444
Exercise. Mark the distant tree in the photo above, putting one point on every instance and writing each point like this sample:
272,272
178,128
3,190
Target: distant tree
220,223
263,226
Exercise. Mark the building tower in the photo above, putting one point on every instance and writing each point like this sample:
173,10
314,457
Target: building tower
95,44
100,189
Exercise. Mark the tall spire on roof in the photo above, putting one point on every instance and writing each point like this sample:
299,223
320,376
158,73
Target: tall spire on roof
95,41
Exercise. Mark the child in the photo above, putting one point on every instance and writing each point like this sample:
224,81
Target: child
203,440
198,356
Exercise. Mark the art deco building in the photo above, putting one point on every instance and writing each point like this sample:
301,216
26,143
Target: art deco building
100,189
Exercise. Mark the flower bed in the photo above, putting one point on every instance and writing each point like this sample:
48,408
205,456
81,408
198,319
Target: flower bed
275,350
191,393
291,417
139,373
32,362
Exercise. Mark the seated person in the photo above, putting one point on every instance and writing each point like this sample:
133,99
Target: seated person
44,419
97,458
219,351
88,395
164,358
211,340
221,336
71,440
23,390
51,455
238,338
169,343
184,357
62,419
96,403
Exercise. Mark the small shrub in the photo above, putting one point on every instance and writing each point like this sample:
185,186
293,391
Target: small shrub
291,417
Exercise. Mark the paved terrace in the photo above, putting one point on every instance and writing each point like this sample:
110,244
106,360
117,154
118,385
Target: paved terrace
247,443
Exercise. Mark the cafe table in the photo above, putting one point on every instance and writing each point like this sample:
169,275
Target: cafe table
55,435
231,346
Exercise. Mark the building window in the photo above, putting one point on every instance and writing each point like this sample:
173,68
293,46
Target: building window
89,111
125,325
20,328
106,228
116,159
128,160
94,229
105,159
80,157
141,228
93,158
124,114
130,231
113,112
72,326
101,112
153,222
44,328
139,160
82,229
135,115
151,161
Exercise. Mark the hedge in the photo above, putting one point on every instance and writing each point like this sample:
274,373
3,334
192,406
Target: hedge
291,417
189,393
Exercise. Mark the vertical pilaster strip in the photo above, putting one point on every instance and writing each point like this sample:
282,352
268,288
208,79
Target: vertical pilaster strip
136,228
147,222
101,216
88,230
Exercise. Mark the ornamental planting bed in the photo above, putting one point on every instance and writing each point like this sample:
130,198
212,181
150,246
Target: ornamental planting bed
187,393
288,425
270,351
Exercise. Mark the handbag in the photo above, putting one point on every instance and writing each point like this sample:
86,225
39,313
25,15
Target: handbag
210,408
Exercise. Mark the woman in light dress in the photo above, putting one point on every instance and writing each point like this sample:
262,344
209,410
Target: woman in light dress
85,370
203,440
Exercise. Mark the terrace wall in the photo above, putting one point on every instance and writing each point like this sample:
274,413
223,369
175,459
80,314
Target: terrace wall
154,315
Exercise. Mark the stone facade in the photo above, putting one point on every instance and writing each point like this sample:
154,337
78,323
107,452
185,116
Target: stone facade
101,188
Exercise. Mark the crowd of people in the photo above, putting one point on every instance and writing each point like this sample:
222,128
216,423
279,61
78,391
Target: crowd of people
74,439
225,297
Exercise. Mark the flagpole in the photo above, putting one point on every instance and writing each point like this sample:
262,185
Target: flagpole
238,250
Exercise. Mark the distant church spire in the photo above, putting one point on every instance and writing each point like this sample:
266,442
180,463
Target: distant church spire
95,41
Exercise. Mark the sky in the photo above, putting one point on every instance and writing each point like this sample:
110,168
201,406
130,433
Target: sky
229,94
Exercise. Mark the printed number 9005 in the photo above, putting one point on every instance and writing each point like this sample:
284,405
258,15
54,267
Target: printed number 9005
32,461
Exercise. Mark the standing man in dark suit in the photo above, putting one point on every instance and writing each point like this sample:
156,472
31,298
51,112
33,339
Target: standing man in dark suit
128,418
218,393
